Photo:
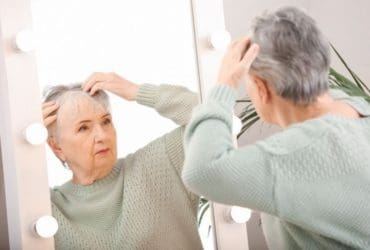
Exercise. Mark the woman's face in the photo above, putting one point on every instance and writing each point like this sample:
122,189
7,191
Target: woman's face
86,136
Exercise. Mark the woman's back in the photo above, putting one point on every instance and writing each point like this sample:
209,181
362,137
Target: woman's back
319,177
313,178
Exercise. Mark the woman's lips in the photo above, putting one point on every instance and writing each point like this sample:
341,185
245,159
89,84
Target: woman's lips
103,151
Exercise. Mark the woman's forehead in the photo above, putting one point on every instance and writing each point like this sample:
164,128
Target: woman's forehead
80,108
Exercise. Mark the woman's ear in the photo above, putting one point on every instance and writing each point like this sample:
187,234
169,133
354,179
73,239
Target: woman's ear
56,149
263,89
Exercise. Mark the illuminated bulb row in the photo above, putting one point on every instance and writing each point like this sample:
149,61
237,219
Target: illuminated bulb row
46,226
36,134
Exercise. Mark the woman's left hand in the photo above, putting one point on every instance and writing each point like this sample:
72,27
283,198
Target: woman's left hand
49,113
237,61
111,82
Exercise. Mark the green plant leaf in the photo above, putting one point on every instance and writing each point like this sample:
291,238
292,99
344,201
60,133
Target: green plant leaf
202,210
355,77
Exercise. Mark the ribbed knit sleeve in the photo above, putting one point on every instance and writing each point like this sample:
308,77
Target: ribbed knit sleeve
214,168
175,103
170,101
175,148
175,153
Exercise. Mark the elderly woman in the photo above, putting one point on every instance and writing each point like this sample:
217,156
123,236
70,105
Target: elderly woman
138,202
312,180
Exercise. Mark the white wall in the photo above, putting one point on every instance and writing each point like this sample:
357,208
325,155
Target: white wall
142,40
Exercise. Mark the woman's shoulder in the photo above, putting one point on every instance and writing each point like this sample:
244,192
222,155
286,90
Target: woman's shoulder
317,132
357,102
57,194
296,137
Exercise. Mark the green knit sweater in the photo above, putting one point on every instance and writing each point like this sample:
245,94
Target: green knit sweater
311,181
143,203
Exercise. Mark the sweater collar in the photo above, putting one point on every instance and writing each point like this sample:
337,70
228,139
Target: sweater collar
98,185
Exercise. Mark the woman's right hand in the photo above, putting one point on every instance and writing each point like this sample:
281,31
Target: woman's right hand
48,112
111,82
237,61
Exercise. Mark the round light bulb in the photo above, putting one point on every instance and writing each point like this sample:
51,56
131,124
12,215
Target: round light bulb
240,214
24,40
220,39
237,125
35,134
46,226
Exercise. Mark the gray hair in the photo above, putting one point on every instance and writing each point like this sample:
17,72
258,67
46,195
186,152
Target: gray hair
294,56
59,94
62,93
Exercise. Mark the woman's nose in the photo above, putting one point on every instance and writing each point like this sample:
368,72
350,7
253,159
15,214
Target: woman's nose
99,134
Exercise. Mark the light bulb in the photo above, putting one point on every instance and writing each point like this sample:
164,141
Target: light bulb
237,125
220,39
239,214
35,134
46,226
24,40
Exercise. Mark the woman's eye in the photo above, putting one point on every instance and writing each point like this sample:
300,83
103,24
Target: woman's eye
82,128
107,121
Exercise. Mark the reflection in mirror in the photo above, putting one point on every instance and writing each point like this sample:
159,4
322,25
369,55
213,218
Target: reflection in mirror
145,45
139,201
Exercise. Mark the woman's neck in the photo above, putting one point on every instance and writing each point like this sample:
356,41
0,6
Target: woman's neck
88,178
287,113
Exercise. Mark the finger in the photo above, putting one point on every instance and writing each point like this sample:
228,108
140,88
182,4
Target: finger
46,111
241,47
245,44
238,49
48,104
95,88
95,77
49,120
250,55
89,82
235,42
108,85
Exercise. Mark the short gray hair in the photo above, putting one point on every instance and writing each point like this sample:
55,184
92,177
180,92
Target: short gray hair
62,93
294,56
59,93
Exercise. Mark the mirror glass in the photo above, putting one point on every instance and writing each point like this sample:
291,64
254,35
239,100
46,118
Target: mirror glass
143,41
